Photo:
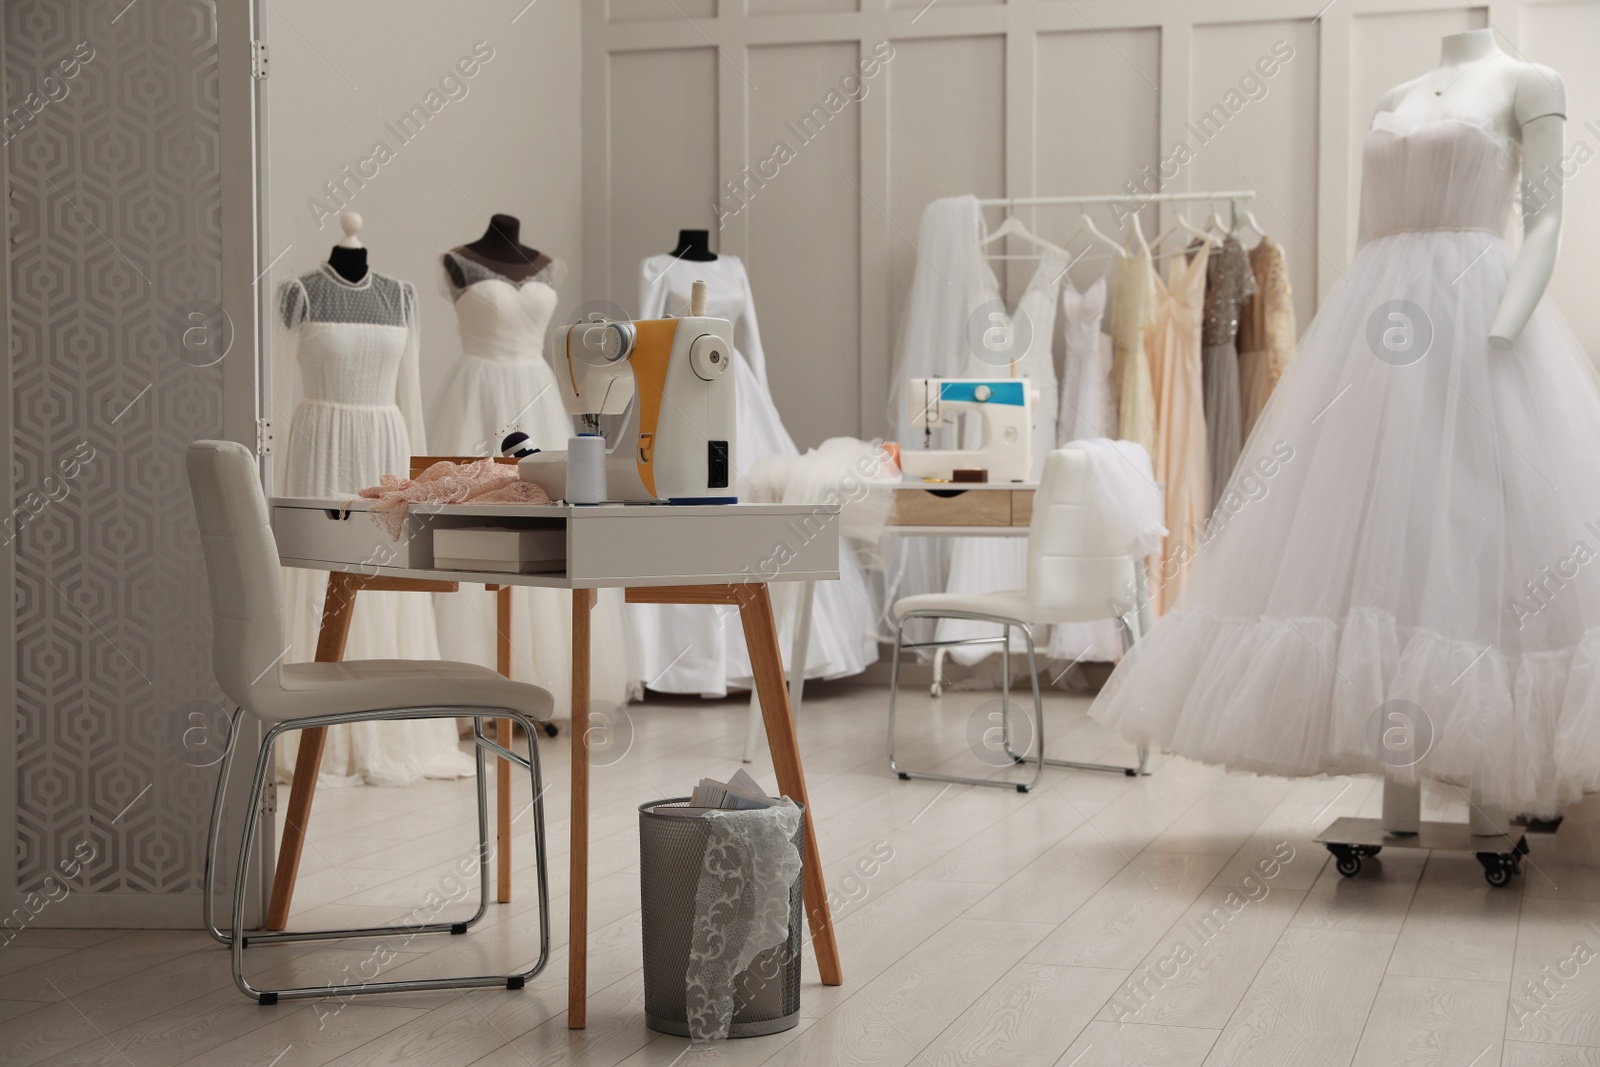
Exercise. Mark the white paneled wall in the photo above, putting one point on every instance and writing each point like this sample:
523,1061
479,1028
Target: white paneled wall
1019,98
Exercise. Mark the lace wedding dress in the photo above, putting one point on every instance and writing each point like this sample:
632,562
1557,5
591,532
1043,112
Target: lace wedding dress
502,383
355,344
1428,529
688,648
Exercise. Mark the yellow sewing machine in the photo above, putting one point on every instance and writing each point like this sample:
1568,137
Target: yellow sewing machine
670,379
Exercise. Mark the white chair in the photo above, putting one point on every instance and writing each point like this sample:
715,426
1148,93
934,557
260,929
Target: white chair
248,643
1076,573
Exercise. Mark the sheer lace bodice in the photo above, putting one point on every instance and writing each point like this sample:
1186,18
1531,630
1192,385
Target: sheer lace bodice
351,337
1445,173
499,318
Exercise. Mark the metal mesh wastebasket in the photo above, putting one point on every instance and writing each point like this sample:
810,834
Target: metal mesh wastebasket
671,852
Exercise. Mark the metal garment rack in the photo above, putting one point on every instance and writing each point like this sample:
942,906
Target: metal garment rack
1134,200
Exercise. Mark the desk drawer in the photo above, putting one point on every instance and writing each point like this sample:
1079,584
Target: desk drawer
348,537
1021,507
952,507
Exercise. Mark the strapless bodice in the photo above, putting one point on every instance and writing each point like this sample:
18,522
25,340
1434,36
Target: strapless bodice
1445,173
500,320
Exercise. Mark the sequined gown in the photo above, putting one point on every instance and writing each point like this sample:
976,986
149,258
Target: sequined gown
1229,282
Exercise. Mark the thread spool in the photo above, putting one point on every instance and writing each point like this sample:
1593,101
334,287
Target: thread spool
586,469
697,299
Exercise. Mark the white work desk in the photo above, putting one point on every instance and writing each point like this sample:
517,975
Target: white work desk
713,554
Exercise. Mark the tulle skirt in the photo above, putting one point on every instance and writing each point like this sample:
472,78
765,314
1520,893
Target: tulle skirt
1413,529
334,450
481,402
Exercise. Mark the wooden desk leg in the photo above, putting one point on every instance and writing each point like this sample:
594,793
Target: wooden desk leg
578,890
337,607
503,734
766,661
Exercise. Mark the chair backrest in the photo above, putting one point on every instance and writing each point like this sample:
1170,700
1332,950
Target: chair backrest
242,568
1073,562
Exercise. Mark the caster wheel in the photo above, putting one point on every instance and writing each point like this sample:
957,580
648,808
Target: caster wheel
1522,846
1498,868
904,777
551,729
1347,858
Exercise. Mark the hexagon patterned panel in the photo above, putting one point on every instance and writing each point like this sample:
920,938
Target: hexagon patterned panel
112,132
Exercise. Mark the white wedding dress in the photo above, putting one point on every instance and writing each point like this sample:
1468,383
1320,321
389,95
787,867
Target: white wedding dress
502,383
355,344
700,649
1000,564
1088,411
1428,530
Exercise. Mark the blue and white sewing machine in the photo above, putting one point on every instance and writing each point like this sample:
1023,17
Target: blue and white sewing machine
1005,406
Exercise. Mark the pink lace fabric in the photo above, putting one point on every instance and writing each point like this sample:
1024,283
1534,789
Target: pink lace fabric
482,481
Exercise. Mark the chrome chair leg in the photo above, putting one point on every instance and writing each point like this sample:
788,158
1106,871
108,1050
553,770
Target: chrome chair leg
894,693
1142,766
400,930
213,836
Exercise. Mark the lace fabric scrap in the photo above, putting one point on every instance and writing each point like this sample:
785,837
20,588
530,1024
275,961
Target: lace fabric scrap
741,908
482,481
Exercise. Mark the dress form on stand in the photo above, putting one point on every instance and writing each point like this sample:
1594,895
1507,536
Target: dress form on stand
352,335
1520,99
349,257
504,298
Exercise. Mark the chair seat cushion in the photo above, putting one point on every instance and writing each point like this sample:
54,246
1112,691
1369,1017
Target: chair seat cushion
1014,604
311,689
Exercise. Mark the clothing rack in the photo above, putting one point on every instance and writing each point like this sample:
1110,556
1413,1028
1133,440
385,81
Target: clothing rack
1233,196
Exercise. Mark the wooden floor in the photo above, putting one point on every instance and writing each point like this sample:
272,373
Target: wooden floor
1184,918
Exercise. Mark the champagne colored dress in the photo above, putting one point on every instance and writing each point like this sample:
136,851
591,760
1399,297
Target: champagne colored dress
1266,329
1181,458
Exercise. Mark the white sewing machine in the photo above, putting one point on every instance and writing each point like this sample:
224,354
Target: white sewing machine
1005,406
671,379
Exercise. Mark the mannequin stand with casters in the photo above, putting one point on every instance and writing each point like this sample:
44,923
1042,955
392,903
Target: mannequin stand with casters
1352,840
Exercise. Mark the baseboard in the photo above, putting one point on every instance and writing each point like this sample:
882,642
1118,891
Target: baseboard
118,911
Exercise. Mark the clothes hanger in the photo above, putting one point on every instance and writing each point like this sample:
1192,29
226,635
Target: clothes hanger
1086,224
1183,225
1011,227
1138,234
1249,219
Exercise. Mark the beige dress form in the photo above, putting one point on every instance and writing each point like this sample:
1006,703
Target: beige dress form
1132,314
1180,458
1266,329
